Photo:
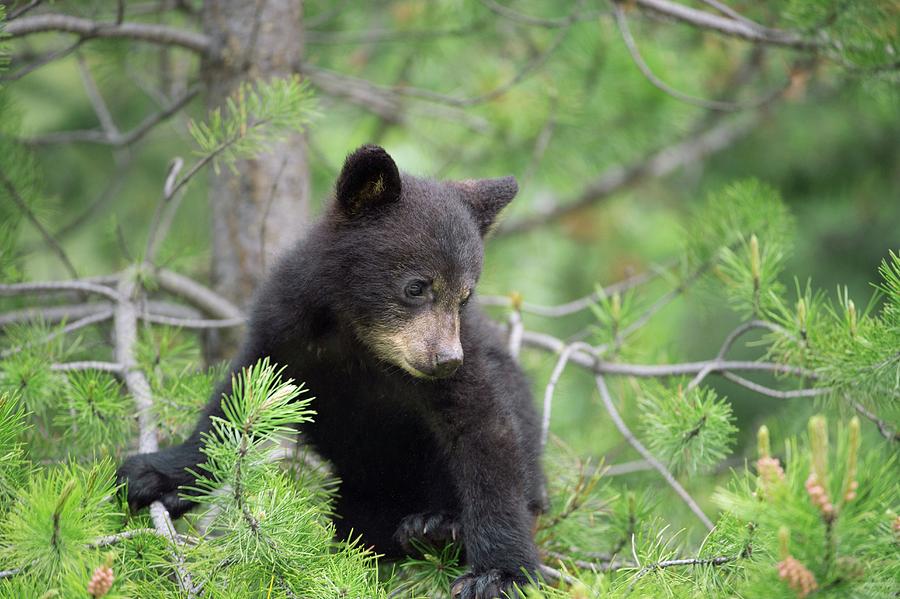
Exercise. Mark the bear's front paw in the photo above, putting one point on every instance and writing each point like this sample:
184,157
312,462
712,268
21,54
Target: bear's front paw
431,528
145,484
491,584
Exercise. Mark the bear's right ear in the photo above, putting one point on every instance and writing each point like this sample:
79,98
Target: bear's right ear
369,179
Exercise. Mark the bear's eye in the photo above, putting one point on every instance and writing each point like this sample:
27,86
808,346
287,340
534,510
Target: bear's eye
416,289
465,299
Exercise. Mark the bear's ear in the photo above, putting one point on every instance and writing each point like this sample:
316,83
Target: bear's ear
487,197
368,180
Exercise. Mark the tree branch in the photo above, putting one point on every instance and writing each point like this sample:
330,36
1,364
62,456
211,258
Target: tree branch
87,29
204,298
87,365
51,241
644,68
645,453
115,138
886,431
620,177
55,286
726,26
86,321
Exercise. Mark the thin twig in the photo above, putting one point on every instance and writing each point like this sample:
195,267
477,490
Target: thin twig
72,312
726,26
55,286
86,321
653,165
195,323
51,241
551,385
514,343
731,339
693,561
886,431
574,306
96,98
116,139
645,453
41,61
204,298
777,394
550,23
554,574
723,106
87,29
87,365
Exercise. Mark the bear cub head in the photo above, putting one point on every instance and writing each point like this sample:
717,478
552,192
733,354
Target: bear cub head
407,253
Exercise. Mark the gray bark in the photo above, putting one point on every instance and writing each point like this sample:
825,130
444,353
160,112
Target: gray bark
264,207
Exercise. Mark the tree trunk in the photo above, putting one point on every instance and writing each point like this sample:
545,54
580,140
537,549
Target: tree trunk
262,209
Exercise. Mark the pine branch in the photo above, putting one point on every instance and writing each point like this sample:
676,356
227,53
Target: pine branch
645,453
81,323
88,29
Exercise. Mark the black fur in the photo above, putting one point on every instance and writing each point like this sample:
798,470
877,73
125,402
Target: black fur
460,454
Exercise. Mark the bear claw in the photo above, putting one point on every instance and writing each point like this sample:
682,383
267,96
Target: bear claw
430,528
491,584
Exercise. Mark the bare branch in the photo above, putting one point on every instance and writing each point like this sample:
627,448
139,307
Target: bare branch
55,286
645,453
204,298
693,561
116,139
516,327
87,29
71,312
195,323
554,574
86,321
726,26
41,61
87,365
731,339
654,165
519,17
551,385
21,11
51,241
628,38
777,394
126,317
731,13
883,428
96,98
574,306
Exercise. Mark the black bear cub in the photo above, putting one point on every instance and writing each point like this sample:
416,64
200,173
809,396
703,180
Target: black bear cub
425,417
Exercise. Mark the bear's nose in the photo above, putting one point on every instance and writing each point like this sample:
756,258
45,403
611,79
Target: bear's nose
446,362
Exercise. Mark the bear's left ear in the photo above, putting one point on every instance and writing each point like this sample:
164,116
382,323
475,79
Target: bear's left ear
487,197
368,180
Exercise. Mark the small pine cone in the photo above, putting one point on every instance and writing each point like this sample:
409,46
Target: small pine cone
101,581
819,496
850,495
797,576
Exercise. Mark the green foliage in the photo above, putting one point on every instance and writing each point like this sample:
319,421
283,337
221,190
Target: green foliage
13,460
55,517
691,430
255,116
96,415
